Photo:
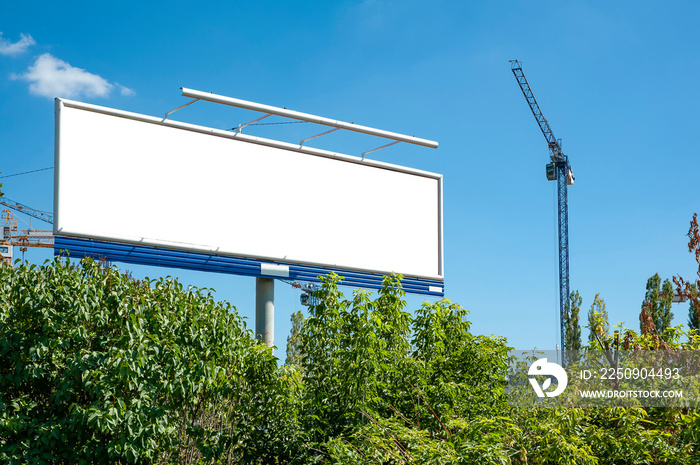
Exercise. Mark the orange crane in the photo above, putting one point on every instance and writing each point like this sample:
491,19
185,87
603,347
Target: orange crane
12,236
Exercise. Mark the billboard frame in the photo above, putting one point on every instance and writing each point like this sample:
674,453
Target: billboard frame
96,245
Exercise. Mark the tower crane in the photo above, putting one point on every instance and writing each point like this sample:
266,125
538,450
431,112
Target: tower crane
560,170
11,236
307,292
33,212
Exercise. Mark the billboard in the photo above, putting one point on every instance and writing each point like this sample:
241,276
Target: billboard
161,192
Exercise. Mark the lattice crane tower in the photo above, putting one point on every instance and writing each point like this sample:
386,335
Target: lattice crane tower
560,170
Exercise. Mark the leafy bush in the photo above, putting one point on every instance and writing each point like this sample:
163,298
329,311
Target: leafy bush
366,362
97,367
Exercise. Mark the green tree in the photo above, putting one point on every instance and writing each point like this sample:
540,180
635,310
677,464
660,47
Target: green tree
458,372
690,288
572,327
293,355
366,361
694,310
659,299
598,325
333,388
98,368
353,355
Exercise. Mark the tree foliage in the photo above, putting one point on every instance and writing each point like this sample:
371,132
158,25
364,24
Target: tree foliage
694,310
658,300
572,327
293,357
97,367
689,288
598,325
367,359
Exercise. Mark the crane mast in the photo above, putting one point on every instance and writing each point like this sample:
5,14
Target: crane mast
560,170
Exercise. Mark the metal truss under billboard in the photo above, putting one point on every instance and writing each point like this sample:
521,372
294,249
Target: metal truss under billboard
155,191
159,256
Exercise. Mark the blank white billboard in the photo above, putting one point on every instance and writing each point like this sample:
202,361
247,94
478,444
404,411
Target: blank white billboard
138,179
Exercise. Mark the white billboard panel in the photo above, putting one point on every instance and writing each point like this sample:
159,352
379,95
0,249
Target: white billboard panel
143,180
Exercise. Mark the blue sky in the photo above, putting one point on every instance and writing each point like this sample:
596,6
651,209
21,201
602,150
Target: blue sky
616,81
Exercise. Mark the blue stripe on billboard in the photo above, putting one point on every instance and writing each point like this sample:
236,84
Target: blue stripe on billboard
202,261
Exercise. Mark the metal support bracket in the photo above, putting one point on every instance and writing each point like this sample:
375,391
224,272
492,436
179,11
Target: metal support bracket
179,108
317,135
241,126
209,97
379,148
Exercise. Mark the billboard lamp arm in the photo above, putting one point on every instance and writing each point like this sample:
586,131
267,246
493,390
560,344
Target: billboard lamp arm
179,108
379,148
317,135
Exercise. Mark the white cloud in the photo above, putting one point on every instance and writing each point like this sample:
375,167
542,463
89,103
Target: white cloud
125,91
52,77
9,48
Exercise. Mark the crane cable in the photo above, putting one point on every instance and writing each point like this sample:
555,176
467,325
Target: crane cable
272,124
26,172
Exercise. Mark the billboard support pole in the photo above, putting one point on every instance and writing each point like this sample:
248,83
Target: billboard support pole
265,310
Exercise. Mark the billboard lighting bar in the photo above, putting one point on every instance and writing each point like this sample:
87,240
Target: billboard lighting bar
196,94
